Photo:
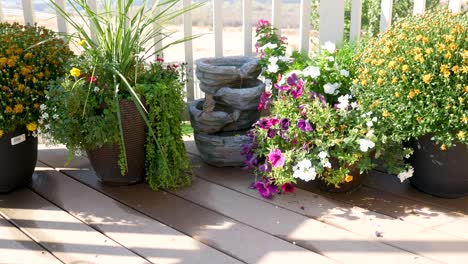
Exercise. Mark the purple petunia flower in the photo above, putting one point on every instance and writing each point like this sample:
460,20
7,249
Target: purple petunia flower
322,98
292,80
273,189
252,162
277,158
285,123
313,95
264,101
281,87
272,133
262,189
297,92
304,125
264,123
264,167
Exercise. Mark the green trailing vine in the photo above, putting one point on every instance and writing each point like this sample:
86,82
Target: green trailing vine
167,166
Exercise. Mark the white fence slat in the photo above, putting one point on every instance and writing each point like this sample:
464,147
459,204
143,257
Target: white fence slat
419,7
61,22
304,26
157,39
331,20
356,15
1,11
218,26
93,6
276,14
247,26
188,49
386,14
28,12
455,6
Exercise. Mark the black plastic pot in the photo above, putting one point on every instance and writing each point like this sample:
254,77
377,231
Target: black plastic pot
105,159
18,157
440,173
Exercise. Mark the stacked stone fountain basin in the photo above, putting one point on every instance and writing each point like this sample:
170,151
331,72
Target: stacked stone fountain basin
220,121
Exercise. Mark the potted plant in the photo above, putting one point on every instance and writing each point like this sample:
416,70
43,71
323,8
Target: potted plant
414,77
105,106
316,129
30,57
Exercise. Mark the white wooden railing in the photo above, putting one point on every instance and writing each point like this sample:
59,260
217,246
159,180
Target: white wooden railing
331,24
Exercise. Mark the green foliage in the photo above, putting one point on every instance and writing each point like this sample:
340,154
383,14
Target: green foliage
30,58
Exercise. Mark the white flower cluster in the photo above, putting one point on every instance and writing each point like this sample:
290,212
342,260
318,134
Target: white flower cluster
365,144
330,46
343,102
323,155
331,88
405,174
268,46
45,115
311,71
273,65
304,170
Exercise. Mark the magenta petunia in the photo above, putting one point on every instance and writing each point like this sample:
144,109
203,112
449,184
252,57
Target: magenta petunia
276,158
262,189
264,101
288,187
296,93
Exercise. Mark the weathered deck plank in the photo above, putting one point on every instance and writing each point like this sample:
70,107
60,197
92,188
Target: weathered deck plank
155,241
68,239
17,248
227,235
396,232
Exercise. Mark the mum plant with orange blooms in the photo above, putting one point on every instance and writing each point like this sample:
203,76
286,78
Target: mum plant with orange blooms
415,78
30,58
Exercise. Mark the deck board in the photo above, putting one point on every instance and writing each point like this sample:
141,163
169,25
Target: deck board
155,241
402,234
67,238
17,248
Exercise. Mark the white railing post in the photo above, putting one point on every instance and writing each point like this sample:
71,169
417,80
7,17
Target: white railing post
419,7
1,12
455,5
304,26
218,27
188,49
247,26
276,14
331,20
61,22
158,38
93,6
356,15
386,14
28,12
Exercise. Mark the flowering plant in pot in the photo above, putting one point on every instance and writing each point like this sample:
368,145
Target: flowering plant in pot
30,57
414,77
316,129
101,106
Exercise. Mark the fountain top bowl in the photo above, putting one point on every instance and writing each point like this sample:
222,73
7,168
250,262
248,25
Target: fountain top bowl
245,67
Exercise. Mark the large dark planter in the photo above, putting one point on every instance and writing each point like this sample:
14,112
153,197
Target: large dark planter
17,161
105,159
440,173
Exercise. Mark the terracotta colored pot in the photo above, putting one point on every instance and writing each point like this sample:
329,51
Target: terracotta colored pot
18,157
105,159
440,173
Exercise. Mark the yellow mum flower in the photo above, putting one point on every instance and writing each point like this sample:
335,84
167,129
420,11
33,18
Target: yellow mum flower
386,114
444,68
379,81
465,54
382,72
364,82
394,80
405,68
18,108
348,178
397,94
448,55
440,47
456,68
419,57
411,94
419,118
429,51
401,59
355,81
417,91
392,64
75,72
427,78
453,46
8,109
448,38
31,126
443,147
28,56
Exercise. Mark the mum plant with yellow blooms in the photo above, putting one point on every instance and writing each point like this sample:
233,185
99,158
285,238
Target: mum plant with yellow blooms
415,78
30,58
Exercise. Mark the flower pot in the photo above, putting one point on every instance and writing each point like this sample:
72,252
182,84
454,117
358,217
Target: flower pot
18,153
440,173
344,187
105,160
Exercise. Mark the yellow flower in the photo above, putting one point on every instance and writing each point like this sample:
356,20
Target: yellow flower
28,56
419,37
348,178
20,87
18,108
364,82
382,72
405,68
392,64
440,47
417,50
419,57
444,68
386,114
379,81
397,94
461,100
394,80
355,81
448,55
82,42
453,46
448,38
8,109
417,91
429,51
456,68
466,89
465,119
427,78
411,94
443,147
31,126
461,135
1,133
419,118
75,72
465,54
401,59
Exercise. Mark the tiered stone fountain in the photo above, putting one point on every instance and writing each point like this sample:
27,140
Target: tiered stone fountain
232,93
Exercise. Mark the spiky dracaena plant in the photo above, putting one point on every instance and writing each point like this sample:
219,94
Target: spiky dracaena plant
118,39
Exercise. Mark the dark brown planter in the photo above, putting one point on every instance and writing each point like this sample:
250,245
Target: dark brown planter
440,173
105,159
17,161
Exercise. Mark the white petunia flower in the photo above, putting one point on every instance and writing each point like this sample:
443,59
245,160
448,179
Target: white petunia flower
43,107
323,155
326,164
331,88
304,164
345,73
331,58
369,123
370,133
273,68
354,105
312,71
45,116
330,46
374,119
365,144
343,102
405,174
305,175
268,46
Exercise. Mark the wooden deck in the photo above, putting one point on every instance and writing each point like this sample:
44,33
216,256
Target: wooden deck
66,216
